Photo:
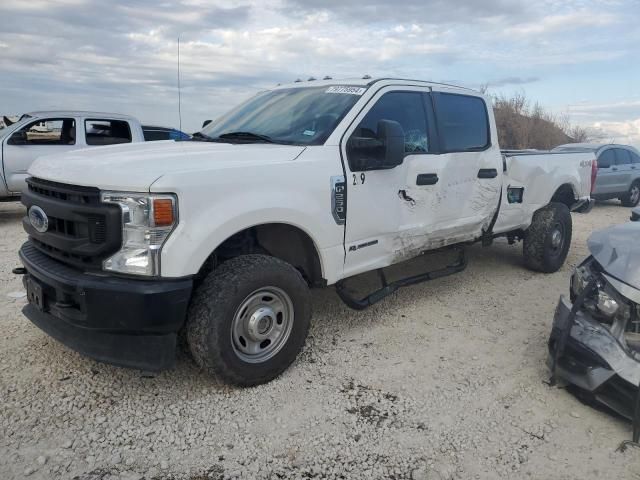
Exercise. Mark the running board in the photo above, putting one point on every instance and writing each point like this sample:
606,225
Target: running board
388,288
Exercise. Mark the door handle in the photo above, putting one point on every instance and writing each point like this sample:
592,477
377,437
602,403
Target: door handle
427,179
487,173
614,169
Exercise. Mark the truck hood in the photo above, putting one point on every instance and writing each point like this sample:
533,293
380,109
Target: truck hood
135,167
617,249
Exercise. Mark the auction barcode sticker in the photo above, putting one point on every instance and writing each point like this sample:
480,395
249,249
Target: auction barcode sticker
348,90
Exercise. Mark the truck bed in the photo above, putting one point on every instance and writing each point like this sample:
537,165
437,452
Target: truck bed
530,171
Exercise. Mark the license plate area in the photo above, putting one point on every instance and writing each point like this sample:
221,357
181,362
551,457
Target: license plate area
35,293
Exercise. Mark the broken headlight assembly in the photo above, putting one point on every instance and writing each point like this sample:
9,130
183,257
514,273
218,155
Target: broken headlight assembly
605,303
147,221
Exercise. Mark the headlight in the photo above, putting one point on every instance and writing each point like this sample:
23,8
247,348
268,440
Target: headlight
607,304
147,221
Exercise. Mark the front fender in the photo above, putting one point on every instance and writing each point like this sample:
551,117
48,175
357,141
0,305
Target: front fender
210,213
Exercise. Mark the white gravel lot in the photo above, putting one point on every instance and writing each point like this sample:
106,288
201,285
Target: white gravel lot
443,380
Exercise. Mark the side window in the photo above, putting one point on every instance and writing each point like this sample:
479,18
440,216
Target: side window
607,158
107,132
406,108
635,158
463,122
154,135
623,157
50,131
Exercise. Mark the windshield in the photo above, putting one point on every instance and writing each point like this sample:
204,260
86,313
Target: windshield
295,116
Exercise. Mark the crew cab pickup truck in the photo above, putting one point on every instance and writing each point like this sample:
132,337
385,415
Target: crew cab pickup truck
304,185
45,133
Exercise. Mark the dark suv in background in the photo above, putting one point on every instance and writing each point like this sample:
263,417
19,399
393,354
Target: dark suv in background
618,171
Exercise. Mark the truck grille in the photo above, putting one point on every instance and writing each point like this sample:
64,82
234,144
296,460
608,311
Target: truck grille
82,231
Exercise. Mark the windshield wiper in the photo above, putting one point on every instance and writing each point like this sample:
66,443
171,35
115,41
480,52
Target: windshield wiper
201,137
247,136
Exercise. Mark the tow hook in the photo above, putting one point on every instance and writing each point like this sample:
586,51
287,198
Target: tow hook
19,271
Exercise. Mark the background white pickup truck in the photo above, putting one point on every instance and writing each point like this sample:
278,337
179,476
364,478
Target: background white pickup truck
303,185
52,132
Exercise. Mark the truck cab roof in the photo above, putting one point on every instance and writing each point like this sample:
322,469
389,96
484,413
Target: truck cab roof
368,82
78,113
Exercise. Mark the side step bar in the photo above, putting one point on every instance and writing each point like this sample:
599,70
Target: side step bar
388,288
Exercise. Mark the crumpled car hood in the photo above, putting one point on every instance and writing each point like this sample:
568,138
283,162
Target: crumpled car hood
617,249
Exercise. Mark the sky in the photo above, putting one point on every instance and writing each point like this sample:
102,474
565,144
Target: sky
578,58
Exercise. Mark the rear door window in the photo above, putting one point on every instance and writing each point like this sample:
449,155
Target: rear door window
623,157
607,158
463,122
107,132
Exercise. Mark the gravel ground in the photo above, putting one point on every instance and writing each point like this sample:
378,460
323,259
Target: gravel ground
443,380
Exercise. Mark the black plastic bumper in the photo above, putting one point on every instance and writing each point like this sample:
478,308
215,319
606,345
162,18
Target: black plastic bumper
122,321
593,360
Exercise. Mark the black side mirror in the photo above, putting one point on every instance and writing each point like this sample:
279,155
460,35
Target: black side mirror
18,138
205,123
384,151
392,134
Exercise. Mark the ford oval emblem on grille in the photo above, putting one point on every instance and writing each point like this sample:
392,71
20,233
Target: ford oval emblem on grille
38,219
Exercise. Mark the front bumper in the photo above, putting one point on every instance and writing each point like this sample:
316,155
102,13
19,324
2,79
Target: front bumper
122,321
593,360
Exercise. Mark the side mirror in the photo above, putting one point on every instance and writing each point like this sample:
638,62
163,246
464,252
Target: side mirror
385,151
205,123
18,138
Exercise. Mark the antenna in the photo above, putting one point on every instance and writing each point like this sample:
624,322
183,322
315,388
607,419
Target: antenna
179,94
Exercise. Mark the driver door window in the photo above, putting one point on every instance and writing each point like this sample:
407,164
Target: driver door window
54,131
406,108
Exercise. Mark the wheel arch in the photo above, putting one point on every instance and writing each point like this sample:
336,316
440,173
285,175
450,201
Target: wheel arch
285,241
565,194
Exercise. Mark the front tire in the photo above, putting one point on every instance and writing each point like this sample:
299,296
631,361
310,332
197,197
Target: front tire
249,319
548,238
632,197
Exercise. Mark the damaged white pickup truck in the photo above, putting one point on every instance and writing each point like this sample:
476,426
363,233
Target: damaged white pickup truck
302,185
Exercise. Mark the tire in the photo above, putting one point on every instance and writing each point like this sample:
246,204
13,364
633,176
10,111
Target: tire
543,250
249,319
632,197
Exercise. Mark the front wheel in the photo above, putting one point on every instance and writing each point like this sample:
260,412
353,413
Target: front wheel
548,238
632,197
249,319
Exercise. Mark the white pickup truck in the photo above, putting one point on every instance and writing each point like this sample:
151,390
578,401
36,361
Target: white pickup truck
46,133
303,185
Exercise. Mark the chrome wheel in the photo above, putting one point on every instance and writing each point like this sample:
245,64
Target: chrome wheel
634,194
557,239
262,325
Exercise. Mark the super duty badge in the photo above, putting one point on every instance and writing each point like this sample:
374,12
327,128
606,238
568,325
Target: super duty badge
339,199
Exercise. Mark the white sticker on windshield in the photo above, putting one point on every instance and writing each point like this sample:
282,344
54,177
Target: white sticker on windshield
347,90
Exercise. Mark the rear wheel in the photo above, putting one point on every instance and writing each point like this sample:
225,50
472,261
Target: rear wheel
249,319
547,240
632,197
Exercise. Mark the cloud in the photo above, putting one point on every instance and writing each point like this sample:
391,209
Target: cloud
561,23
122,55
502,82
616,132
410,11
